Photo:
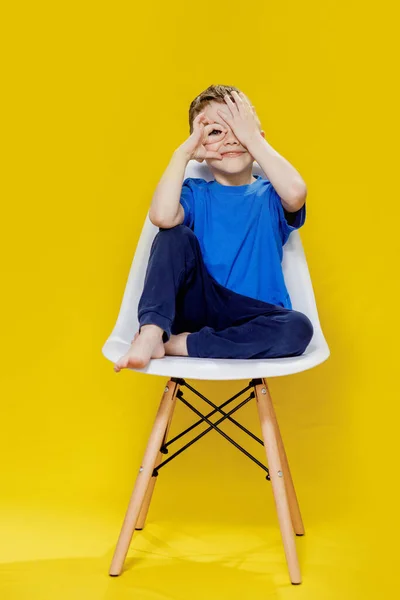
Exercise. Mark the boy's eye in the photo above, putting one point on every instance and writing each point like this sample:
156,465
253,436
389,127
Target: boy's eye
217,130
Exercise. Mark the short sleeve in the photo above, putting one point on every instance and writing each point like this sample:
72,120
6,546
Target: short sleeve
287,221
187,201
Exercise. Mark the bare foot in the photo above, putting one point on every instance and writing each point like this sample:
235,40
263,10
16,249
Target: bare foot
176,345
148,344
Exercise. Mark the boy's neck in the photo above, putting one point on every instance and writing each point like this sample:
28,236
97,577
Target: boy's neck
233,179
244,177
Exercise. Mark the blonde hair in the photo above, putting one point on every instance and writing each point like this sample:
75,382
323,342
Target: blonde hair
213,92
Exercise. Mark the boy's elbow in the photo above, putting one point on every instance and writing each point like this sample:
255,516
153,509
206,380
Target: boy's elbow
155,218
166,223
159,222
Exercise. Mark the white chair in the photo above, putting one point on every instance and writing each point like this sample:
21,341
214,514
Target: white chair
176,369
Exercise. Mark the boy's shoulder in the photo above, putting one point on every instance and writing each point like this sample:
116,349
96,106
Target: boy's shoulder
195,187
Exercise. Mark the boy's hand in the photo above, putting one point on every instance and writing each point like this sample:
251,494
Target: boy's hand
195,148
243,121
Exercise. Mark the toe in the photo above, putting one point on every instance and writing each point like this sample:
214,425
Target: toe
121,363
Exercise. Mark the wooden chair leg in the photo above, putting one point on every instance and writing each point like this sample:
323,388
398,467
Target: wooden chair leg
265,412
143,479
297,521
150,488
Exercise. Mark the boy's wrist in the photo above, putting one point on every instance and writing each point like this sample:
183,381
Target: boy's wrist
256,143
182,154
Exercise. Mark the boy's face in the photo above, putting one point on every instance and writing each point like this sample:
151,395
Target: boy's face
229,143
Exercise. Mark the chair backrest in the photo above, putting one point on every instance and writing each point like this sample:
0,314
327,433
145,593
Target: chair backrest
294,265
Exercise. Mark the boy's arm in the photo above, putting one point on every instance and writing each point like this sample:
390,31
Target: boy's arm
166,210
285,179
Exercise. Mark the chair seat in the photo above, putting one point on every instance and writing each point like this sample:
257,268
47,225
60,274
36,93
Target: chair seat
225,368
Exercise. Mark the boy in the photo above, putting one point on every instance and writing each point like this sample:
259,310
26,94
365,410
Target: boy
214,284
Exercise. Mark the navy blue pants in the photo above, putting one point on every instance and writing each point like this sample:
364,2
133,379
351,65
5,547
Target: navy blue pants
179,294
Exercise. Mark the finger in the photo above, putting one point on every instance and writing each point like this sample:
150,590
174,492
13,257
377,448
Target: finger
200,120
198,126
217,149
214,155
202,126
231,105
249,105
251,108
215,143
237,97
239,103
245,100
212,127
198,117
216,126
203,130
224,116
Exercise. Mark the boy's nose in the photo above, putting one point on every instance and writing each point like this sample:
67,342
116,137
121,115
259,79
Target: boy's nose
232,145
230,140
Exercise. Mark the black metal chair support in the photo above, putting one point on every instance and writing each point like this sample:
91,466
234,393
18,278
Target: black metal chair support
205,419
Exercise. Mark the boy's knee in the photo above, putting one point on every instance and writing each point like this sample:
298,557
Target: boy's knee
177,230
301,329
181,232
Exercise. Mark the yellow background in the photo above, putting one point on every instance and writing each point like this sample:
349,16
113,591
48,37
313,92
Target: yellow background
96,97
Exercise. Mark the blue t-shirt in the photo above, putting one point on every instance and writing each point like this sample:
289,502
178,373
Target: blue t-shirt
241,230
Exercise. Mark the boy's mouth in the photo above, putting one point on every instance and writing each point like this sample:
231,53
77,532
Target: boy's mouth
232,154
